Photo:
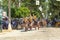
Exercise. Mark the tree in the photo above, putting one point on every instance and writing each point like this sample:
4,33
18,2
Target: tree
31,4
54,8
22,12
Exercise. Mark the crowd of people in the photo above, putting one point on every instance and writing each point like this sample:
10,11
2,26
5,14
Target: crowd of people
27,22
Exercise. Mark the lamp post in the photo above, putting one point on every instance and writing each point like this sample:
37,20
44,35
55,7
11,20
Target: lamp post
46,8
9,11
19,3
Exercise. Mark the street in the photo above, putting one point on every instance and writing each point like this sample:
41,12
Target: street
42,34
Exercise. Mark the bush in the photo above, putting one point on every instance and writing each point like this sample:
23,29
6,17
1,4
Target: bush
22,12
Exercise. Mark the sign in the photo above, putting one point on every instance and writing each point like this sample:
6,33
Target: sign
37,2
40,8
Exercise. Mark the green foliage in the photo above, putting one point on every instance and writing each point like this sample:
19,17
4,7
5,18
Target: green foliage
29,6
5,4
13,12
22,12
54,8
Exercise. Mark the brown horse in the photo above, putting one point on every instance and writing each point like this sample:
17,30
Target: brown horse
24,25
44,22
27,24
36,24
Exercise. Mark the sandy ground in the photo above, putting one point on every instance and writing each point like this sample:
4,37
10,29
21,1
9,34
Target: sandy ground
42,34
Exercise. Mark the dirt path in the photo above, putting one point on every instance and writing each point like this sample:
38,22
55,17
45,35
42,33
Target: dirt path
42,34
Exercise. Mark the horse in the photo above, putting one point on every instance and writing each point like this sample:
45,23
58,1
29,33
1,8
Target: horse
44,22
34,24
24,24
30,24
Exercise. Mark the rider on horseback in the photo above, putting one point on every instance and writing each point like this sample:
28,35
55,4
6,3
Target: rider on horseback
30,18
35,19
